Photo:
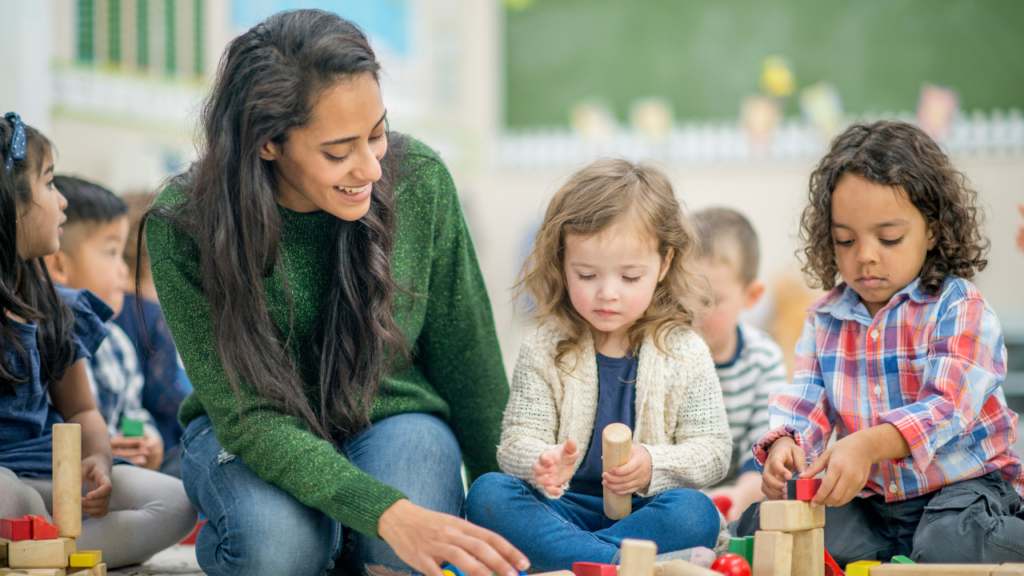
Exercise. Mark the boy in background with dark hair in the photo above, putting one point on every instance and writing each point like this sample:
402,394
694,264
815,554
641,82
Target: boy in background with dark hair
90,257
748,362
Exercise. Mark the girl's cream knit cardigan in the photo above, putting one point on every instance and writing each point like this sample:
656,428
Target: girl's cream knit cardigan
680,416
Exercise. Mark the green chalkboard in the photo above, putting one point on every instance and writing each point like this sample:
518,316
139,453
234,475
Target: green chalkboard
705,56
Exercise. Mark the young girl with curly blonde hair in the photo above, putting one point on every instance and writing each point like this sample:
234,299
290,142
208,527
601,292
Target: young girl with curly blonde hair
612,285
903,359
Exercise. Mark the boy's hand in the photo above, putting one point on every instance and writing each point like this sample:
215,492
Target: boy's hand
633,476
556,466
96,475
784,457
848,462
133,449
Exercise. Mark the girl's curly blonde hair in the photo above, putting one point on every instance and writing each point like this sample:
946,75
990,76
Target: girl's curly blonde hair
900,155
604,193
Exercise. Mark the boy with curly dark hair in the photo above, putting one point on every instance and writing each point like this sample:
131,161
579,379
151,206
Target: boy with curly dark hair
903,359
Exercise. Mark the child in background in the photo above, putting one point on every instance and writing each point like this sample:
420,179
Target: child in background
166,383
47,334
749,363
903,359
614,293
90,258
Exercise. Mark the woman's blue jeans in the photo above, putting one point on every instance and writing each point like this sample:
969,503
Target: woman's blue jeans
555,533
256,528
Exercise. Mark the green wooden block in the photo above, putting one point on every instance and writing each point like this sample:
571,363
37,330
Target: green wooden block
750,550
902,560
131,428
743,547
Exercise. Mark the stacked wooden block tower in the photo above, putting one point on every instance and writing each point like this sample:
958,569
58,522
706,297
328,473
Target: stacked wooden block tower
791,541
31,545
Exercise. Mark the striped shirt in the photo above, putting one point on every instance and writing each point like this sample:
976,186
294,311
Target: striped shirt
116,381
930,365
747,380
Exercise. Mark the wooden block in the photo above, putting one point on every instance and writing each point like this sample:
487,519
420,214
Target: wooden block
40,553
594,569
97,570
1009,569
555,573
3,552
791,516
802,489
15,529
85,559
861,567
33,572
773,553
901,560
922,569
616,449
684,568
744,547
637,557
67,479
41,528
809,552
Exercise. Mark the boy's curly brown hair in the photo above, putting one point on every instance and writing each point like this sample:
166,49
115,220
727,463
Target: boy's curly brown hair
598,196
900,155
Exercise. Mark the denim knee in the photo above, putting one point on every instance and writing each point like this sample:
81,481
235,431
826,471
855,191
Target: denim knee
695,505
490,489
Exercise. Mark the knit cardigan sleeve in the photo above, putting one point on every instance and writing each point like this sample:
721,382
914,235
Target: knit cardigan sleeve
700,446
530,424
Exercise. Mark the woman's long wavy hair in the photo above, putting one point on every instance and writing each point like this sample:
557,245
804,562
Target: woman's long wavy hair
604,193
25,286
268,81
900,155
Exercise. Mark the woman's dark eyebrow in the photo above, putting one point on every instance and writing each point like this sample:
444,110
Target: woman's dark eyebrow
351,138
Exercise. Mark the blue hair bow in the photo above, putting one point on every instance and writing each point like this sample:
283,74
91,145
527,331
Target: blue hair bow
17,150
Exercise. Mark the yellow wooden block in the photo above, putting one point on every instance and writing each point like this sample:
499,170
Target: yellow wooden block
773,553
97,570
940,569
863,567
86,558
791,516
40,553
33,572
809,552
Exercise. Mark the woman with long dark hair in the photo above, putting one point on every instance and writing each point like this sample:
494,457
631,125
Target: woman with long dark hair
321,285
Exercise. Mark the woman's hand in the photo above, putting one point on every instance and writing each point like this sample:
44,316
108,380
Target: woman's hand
424,539
633,476
96,476
784,457
555,467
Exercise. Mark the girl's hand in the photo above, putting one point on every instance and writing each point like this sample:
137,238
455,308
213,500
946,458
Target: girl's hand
556,467
784,457
424,539
633,476
96,476
132,449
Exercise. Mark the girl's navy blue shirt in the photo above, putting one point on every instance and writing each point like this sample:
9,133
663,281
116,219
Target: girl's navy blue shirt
26,415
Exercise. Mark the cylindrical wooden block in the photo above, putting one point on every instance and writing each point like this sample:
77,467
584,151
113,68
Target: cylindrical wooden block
684,568
67,479
616,448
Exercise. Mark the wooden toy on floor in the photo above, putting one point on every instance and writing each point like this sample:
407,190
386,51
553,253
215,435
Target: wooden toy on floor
831,566
593,569
33,546
684,568
731,565
744,547
616,448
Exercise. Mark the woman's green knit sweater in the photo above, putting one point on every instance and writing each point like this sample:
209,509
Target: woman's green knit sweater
456,369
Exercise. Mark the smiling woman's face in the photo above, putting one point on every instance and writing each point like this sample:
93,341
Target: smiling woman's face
331,163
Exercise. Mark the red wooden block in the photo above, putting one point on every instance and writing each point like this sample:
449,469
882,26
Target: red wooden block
806,489
41,529
593,569
831,568
15,529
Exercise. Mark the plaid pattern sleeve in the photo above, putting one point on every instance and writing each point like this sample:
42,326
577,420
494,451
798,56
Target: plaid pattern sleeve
116,380
930,365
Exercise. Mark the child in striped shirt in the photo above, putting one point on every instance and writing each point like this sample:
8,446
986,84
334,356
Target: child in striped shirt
903,359
748,362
